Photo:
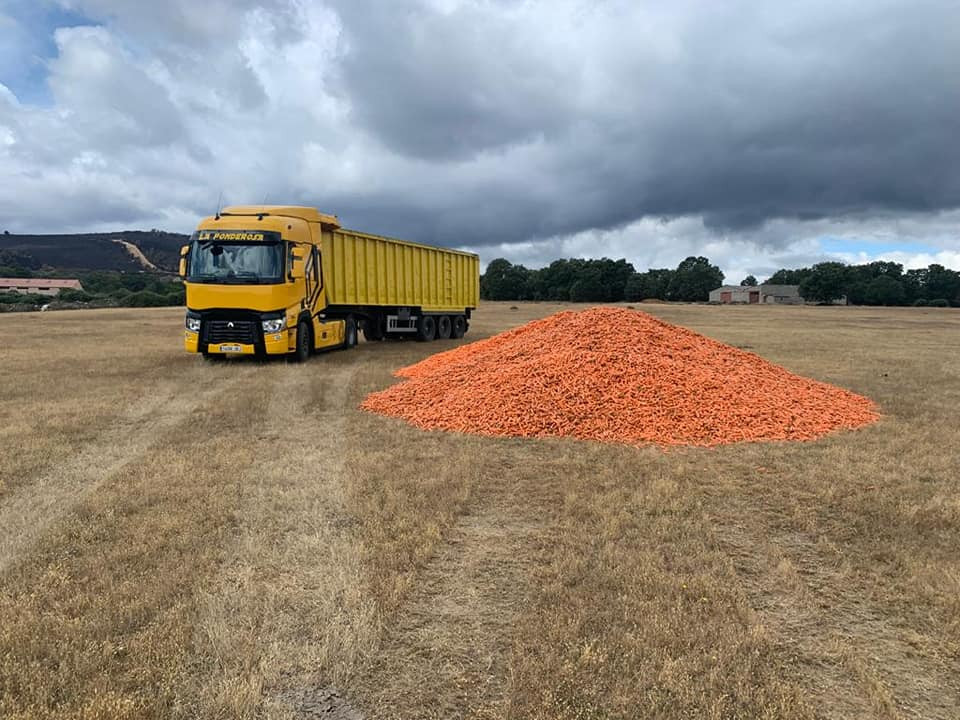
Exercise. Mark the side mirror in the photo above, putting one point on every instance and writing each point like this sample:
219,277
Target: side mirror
184,253
297,265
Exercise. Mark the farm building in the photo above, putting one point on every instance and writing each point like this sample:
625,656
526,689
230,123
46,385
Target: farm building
754,294
38,286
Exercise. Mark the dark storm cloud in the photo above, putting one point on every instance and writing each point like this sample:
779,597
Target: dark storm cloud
738,112
446,86
744,130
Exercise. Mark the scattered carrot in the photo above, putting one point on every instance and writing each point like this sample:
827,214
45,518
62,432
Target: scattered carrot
616,375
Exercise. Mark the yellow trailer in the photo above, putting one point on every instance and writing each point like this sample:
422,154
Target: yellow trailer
362,269
266,280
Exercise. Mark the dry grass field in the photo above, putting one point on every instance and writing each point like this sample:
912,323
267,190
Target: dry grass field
236,540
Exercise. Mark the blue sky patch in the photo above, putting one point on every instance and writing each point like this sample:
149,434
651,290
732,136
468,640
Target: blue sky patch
27,45
871,246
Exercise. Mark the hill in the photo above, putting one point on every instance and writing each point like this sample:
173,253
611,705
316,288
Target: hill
93,251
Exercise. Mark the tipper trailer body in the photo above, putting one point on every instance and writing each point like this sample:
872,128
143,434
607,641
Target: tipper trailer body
277,280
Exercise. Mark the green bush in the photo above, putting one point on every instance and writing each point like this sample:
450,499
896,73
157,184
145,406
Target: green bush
939,302
15,298
68,295
146,298
920,302
176,295
15,271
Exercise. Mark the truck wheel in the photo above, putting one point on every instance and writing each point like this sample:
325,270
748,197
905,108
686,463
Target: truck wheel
304,342
373,329
444,327
426,328
350,333
459,327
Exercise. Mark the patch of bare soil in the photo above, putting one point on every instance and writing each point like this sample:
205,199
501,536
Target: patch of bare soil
320,703
136,253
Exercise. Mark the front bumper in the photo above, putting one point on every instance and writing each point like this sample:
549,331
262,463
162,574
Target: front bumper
231,332
270,347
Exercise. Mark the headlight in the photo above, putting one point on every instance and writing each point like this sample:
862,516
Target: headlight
193,324
276,325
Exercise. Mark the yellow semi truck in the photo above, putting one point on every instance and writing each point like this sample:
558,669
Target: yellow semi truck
284,280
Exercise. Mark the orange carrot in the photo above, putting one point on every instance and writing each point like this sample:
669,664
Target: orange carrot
616,375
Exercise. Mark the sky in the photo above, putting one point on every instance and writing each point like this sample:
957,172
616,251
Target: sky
761,135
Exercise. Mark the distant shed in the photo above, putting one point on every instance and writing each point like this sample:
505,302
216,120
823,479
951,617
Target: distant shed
765,294
38,286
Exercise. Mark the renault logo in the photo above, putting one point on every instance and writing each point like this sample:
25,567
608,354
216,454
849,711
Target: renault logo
229,324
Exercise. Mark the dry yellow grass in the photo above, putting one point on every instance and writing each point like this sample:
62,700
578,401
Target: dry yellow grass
179,539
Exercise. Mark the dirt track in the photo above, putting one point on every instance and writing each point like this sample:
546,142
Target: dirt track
137,254
239,540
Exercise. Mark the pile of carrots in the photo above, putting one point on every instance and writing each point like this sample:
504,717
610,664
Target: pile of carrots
616,375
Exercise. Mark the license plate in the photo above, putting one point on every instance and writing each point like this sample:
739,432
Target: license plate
230,348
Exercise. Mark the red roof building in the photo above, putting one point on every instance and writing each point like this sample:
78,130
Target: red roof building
38,286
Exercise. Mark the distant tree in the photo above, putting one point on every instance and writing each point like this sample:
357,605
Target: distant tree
587,289
614,275
146,298
789,277
18,259
693,280
555,280
748,281
14,298
71,295
825,283
943,283
860,280
503,280
652,284
914,283
6,232
15,272
885,290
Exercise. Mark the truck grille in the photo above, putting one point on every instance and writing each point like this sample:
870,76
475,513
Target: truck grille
231,331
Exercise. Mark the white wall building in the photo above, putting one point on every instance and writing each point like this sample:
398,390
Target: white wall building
765,294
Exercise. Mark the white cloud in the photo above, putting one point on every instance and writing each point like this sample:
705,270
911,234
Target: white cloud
511,126
651,243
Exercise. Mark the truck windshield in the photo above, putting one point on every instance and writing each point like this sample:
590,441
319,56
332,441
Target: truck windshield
236,257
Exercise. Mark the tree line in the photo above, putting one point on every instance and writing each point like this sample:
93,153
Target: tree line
606,280
603,280
875,283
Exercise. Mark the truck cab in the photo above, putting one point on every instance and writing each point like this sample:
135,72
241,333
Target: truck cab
254,284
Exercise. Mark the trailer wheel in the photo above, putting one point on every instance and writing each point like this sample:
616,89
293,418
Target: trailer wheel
373,329
350,333
444,327
426,328
459,327
304,342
